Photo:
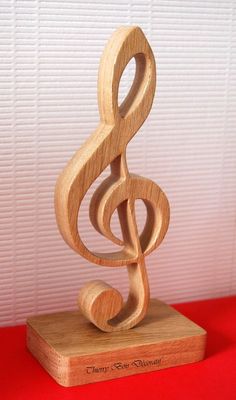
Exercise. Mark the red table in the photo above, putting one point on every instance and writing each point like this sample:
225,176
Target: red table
21,377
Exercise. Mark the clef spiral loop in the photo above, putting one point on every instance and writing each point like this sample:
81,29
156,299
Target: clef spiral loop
99,302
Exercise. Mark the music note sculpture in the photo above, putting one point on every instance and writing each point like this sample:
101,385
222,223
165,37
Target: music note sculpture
72,350
99,302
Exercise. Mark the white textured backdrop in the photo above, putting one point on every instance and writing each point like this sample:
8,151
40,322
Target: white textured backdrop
50,53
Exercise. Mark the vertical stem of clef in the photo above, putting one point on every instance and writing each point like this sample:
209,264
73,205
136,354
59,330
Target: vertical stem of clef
138,299
119,166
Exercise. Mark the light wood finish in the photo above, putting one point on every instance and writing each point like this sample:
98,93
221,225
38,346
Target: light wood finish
75,352
68,346
99,302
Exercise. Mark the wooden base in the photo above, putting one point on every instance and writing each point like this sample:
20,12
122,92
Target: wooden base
75,352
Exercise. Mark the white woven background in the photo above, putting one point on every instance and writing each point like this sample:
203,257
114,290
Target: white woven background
50,53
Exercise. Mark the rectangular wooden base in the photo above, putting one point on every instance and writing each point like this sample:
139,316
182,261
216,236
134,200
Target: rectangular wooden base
75,352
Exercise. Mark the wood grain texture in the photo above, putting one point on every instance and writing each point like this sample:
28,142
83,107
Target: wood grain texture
99,302
74,352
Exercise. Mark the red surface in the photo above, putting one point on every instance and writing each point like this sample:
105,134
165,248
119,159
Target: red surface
21,377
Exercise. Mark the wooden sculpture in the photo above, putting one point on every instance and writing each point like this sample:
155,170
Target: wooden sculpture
69,347
98,301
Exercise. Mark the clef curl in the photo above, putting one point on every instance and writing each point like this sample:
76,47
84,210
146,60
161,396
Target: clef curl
99,302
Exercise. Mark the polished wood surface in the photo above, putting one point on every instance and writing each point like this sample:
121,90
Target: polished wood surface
75,352
99,302
67,344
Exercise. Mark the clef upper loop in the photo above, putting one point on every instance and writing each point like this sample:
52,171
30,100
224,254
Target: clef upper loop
126,43
102,304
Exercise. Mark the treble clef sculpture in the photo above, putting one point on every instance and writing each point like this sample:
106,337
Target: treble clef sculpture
99,302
